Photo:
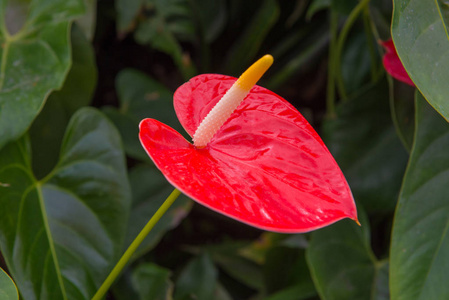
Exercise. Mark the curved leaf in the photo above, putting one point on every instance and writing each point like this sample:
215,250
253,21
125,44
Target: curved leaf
47,131
61,236
420,33
342,263
34,61
420,240
8,290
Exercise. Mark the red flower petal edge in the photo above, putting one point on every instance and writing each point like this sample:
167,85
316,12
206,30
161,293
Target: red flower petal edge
265,167
393,64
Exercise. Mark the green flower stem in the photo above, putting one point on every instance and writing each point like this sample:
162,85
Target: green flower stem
369,39
340,44
135,244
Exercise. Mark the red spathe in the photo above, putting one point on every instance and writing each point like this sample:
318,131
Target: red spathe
266,166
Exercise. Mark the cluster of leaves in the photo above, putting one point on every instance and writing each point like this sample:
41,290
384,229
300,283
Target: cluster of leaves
76,186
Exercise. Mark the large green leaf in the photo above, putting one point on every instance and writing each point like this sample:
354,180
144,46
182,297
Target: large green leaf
48,129
60,236
420,240
34,60
140,97
343,265
8,290
420,33
363,140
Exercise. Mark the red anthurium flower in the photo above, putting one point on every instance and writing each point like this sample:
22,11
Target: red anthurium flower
255,158
393,64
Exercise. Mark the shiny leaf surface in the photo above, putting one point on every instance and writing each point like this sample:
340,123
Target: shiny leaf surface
64,233
266,166
419,30
420,240
35,59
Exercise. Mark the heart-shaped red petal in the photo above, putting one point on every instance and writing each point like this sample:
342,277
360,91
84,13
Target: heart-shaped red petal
266,166
393,64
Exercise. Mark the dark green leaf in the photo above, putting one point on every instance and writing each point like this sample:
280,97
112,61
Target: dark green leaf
343,7
169,23
244,50
61,236
301,291
285,270
197,281
356,64
363,140
212,17
419,31
420,240
403,111
48,129
127,11
149,190
317,5
152,282
342,263
140,97
34,61
8,290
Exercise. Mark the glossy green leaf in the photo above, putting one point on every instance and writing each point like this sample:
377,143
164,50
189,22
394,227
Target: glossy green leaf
8,290
140,97
60,236
34,60
48,129
149,190
420,239
152,282
342,263
197,280
363,141
420,33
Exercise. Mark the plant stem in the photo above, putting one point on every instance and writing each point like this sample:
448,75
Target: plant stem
135,244
369,40
340,44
